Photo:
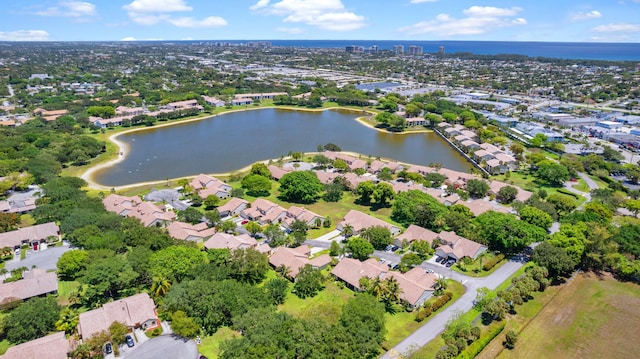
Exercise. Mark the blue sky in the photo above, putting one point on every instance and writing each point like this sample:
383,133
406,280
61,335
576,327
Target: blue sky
532,20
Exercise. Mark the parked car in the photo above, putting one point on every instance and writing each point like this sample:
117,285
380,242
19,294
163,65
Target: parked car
443,260
438,259
450,262
129,341
108,348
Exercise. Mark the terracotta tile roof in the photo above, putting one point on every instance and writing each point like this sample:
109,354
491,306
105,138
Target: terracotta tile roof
360,221
188,231
35,282
130,311
53,346
224,240
417,233
37,233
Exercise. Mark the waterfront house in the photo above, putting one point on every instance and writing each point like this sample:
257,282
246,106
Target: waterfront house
205,185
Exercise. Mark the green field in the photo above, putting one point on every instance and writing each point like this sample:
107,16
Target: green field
591,317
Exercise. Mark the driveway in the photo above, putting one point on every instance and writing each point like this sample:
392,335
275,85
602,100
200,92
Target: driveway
164,346
45,259
169,196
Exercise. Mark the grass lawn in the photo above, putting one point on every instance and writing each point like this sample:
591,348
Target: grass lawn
401,324
4,345
591,317
475,268
65,290
582,186
530,183
210,346
327,305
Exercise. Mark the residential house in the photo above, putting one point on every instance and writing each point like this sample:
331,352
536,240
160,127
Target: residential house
205,185
180,105
261,96
457,247
241,101
415,233
294,259
233,207
326,177
264,211
18,206
33,236
354,180
360,221
52,346
137,311
295,213
522,195
276,172
129,111
148,213
49,115
34,283
224,240
212,101
190,232
416,121
416,286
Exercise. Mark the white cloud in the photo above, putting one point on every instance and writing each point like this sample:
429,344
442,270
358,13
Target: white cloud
259,5
325,14
75,9
153,12
619,27
421,1
290,30
490,11
479,20
153,6
594,14
128,38
24,35
211,21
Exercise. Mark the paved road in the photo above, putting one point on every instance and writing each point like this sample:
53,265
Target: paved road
165,346
436,325
46,259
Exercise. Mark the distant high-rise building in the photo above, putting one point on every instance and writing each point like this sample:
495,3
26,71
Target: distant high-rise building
398,49
354,49
415,50
374,48
441,51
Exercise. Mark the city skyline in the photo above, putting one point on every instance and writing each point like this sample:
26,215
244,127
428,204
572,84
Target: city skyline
405,20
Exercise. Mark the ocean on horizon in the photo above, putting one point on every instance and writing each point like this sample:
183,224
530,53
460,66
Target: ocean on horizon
557,50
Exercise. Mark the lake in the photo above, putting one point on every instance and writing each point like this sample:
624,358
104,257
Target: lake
228,142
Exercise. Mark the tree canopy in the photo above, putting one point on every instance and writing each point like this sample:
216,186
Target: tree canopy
300,187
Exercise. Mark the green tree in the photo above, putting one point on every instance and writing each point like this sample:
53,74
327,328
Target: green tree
507,194
190,215
248,265
359,248
175,262
538,140
277,289
378,236
416,207
298,231
477,188
101,111
160,286
510,339
504,232
32,319
72,264
211,202
536,217
335,249
555,259
300,187
118,331
382,194
213,217
68,320
362,326
365,191
553,173
105,278
260,169
422,248
253,228
183,325
309,282
409,261
562,203
256,185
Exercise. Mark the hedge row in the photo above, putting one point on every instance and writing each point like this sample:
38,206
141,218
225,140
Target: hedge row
427,310
485,338
568,193
492,262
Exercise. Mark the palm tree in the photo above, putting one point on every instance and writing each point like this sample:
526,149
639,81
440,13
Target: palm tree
68,320
160,286
347,230
377,288
393,290
440,285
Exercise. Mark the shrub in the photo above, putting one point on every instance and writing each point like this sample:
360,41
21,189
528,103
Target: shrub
511,339
568,193
477,346
489,264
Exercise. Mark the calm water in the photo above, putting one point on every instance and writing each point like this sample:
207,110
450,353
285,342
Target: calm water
231,141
